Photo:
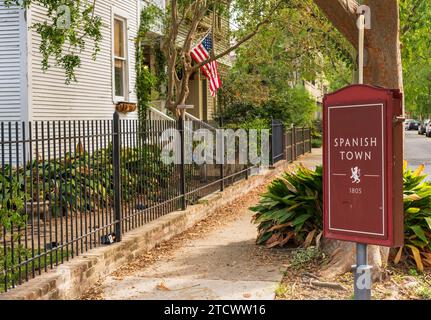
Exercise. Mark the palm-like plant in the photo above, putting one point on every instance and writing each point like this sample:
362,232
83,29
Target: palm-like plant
291,209
417,218
291,212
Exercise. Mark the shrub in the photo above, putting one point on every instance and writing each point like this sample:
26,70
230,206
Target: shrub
81,181
304,256
11,200
291,212
316,143
417,218
292,105
291,209
20,254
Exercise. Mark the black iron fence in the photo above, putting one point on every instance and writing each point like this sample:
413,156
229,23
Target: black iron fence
288,143
69,186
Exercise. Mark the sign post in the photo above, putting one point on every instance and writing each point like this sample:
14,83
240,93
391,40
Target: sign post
362,271
362,164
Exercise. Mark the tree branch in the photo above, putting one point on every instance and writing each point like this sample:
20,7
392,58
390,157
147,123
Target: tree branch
199,13
243,40
408,24
342,14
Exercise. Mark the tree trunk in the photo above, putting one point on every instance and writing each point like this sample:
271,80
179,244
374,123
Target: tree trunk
382,68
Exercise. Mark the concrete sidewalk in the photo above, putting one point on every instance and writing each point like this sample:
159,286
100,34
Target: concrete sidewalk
222,264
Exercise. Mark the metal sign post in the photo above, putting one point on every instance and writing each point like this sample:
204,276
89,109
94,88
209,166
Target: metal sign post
362,167
362,270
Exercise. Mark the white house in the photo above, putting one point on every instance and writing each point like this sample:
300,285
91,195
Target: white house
29,94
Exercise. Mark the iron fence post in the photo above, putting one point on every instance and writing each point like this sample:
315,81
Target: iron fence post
283,140
182,164
272,142
303,140
221,156
293,142
309,140
116,143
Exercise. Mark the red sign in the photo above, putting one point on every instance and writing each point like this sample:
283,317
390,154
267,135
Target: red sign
363,159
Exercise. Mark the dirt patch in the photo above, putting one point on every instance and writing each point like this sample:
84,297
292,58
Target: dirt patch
302,282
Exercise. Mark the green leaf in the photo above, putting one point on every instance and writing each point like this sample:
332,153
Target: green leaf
428,220
420,233
301,219
413,210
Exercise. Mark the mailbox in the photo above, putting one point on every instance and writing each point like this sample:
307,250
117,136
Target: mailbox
362,165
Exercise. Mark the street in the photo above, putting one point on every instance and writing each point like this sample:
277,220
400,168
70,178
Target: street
417,150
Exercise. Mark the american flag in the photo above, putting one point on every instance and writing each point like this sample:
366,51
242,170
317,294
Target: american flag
201,53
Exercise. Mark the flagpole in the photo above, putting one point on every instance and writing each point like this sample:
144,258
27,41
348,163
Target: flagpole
213,49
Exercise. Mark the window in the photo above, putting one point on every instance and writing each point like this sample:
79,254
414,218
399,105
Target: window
120,59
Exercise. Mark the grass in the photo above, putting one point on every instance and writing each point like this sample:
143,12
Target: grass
424,292
305,256
282,290
316,143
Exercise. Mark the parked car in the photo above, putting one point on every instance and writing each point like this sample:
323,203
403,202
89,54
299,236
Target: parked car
422,129
428,129
411,124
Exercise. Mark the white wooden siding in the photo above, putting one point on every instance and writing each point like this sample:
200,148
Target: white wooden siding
11,100
91,97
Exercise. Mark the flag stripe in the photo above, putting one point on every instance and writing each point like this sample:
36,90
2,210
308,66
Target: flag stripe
201,56
207,71
197,56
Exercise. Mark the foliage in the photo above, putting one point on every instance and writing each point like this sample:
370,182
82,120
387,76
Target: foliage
79,182
160,72
65,32
269,69
82,181
291,212
19,255
255,123
12,261
187,21
144,172
316,143
303,256
316,134
415,20
294,105
424,292
11,200
146,81
417,220
291,209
